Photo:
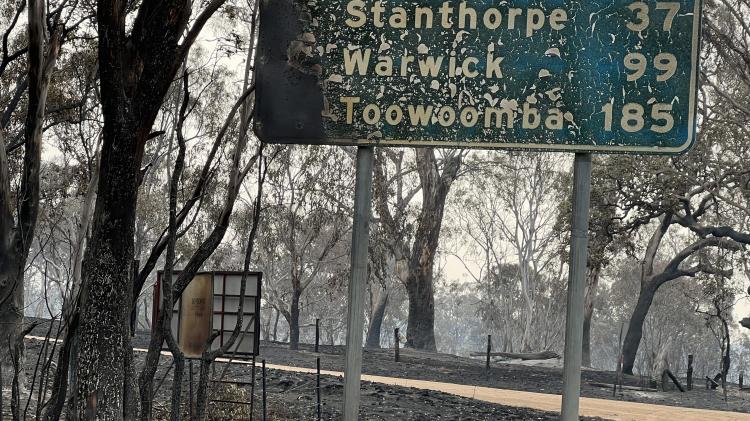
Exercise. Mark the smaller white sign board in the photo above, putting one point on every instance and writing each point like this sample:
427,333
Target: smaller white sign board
222,302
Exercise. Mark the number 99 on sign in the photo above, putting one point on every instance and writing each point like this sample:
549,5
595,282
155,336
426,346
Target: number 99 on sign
666,63
632,118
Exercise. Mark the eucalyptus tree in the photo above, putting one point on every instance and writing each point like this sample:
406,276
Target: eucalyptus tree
520,197
37,50
395,185
727,35
436,176
672,329
719,294
476,214
690,195
140,50
413,244
307,225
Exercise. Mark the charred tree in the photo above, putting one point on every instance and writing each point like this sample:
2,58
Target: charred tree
420,333
136,70
389,245
651,280
376,320
592,282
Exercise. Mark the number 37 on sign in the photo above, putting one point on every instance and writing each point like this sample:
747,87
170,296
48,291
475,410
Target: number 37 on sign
586,76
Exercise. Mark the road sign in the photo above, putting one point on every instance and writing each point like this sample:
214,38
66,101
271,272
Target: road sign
210,304
596,76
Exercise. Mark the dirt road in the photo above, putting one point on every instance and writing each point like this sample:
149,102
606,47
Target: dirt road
614,410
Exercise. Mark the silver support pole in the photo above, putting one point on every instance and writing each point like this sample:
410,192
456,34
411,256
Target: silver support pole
576,285
357,282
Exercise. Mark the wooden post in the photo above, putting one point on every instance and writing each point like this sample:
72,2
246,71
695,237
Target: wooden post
396,342
690,372
252,388
263,370
317,383
317,334
489,350
741,379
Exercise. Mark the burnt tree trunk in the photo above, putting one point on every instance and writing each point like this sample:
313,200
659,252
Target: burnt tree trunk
645,295
420,330
276,326
294,320
376,321
136,70
587,316
106,293
592,281
635,326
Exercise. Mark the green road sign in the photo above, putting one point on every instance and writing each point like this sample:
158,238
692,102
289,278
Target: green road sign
597,76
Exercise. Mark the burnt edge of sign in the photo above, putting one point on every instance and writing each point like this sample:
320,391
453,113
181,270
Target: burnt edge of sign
289,97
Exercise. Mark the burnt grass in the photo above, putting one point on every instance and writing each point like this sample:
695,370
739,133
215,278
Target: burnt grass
453,369
292,396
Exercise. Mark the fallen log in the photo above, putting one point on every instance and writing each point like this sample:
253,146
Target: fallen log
711,383
674,380
623,387
545,355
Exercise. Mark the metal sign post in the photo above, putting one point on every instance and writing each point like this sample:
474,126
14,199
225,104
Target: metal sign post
576,284
358,282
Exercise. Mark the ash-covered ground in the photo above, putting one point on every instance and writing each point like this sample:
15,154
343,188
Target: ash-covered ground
293,395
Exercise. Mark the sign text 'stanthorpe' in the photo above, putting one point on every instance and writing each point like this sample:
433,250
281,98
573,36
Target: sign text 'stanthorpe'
618,76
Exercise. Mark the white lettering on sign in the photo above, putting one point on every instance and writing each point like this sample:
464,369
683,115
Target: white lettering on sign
422,115
360,61
366,61
445,16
